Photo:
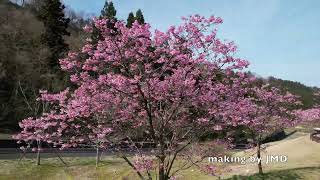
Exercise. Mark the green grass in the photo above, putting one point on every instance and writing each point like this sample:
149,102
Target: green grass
116,168
78,169
52,168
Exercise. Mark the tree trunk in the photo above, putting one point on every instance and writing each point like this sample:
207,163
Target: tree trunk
38,152
259,157
97,157
162,174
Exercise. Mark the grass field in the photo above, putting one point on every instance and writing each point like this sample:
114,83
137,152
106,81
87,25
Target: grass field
114,168
77,169
303,159
303,163
300,151
309,173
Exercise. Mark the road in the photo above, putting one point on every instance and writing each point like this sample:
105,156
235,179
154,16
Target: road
12,153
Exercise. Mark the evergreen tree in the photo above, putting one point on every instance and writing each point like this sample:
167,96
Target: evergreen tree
56,24
130,20
108,12
96,35
139,17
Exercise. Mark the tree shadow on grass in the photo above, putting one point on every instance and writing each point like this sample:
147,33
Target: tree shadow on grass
291,174
278,136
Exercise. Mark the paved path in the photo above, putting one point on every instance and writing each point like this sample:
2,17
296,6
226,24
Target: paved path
12,153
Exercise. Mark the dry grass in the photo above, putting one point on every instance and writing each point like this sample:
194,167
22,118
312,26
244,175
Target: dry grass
300,151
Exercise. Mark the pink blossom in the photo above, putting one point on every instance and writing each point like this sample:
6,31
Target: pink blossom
143,163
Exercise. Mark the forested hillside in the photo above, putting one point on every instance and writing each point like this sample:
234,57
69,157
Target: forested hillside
25,61
309,95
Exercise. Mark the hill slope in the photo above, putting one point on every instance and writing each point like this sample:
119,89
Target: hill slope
300,151
307,94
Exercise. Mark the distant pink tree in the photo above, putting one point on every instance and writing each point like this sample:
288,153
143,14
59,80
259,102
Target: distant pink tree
166,88
36,130
65,125
271,111
309,115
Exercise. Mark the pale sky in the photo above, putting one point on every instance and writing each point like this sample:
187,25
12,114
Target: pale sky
279,37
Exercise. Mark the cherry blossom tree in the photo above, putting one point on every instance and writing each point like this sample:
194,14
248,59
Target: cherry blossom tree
36,130
309,115
166,88
54,128
271,110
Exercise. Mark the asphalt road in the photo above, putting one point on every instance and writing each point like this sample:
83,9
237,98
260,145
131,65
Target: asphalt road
12,153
